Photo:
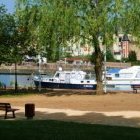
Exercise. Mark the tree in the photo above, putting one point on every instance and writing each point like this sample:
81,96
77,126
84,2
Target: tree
59,22
10,41
7,24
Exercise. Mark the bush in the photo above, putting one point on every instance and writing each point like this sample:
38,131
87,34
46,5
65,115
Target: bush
132,56
109,56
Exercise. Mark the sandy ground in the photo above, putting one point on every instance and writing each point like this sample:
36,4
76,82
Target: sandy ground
111,109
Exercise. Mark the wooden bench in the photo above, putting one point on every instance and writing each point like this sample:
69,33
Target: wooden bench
135,88
7,108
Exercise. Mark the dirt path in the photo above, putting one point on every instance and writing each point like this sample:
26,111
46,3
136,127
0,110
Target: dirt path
114,109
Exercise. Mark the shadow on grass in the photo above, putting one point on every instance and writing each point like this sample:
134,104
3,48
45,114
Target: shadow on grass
47,92
82,117
67,130
22,91
67,125
54,92
93,118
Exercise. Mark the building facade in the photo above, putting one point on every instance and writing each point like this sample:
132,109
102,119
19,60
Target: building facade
122,45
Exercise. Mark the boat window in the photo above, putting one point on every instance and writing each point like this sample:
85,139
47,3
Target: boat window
108,78
82,81
117,75
50,79
88,81
138,75
72,75
62,76
126,75
57,75
67,75
87,76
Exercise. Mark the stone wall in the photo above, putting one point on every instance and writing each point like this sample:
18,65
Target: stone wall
52,67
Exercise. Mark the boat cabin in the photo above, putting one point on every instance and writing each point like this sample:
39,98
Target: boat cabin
69,75
132,72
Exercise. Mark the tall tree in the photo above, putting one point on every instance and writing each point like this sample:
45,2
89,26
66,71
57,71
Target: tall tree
6,30
54,23
11,40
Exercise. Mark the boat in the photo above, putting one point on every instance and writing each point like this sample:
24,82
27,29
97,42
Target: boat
123,79
75,79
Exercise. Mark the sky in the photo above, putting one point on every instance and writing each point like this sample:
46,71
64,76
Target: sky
9,4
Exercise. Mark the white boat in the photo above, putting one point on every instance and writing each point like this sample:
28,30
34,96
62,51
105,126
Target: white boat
66,80
124,79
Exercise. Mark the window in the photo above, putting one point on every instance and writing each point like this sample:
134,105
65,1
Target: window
120,39
57,75
117,75
126,75
138,75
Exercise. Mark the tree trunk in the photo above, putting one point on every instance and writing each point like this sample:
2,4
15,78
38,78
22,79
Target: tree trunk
98,66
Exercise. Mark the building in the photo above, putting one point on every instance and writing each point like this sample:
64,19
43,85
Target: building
78,49
122,45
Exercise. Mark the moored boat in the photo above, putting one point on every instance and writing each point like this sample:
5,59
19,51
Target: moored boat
124,78
74,79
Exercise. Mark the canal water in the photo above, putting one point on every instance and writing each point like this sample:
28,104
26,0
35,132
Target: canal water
23,80
26,80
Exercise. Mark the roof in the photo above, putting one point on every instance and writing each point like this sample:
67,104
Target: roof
114,70
125,38
130,69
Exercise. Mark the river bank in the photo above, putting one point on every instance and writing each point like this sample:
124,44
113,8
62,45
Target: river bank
29,68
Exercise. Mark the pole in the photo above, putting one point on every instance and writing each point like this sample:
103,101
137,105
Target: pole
16,77
105,69
39,58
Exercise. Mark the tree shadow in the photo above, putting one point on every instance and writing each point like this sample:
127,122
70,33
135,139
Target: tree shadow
88,117
92,118
69,92
47,92
54,92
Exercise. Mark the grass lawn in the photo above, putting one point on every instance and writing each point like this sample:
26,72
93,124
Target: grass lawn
58,130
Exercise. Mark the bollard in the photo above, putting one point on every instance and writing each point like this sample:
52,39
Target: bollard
29,110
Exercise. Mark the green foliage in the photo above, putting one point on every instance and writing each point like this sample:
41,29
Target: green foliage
6,23
51,24
125,60
92,58
109,56
132,56
130,22
10,38
135,63
48,23
67,55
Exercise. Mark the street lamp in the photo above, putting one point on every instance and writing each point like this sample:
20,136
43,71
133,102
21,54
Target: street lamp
105,69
